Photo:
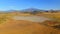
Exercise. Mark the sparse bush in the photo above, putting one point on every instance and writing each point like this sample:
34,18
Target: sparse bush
34,12
56,26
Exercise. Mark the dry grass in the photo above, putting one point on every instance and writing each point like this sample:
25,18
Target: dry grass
52,15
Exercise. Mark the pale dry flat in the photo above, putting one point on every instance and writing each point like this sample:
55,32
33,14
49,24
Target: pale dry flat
31,18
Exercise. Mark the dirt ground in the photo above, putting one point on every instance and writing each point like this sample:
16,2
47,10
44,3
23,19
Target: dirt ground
25,27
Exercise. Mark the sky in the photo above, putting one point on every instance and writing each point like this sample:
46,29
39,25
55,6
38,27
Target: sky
24,4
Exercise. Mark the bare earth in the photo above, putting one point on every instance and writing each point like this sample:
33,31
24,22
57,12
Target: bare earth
31,18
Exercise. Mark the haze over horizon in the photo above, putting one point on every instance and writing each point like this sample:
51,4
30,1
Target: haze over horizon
24,4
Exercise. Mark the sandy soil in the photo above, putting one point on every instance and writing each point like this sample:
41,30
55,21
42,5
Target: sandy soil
25,27
31,18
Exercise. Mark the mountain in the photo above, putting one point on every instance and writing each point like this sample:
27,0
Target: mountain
31,10
26,10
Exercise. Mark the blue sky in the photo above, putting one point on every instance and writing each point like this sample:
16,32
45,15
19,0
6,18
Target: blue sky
24,4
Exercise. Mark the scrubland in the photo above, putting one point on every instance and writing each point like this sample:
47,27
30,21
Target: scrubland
11,26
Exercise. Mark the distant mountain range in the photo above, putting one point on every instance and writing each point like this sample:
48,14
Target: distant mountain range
29,10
